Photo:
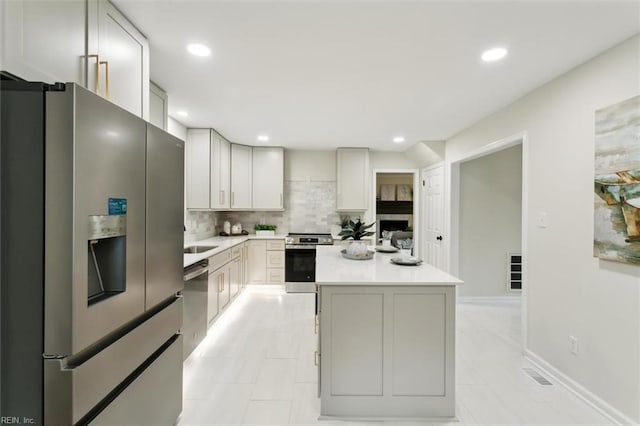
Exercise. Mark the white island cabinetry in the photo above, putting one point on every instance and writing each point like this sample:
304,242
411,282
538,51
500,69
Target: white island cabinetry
387,338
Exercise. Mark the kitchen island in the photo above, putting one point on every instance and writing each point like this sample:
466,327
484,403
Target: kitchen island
386,338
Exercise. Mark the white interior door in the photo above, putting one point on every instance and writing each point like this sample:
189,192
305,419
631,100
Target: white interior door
433,215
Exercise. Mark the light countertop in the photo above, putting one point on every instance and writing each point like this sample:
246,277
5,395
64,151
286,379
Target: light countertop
222,244
333,269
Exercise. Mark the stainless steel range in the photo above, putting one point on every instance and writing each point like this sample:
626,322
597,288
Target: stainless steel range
300,261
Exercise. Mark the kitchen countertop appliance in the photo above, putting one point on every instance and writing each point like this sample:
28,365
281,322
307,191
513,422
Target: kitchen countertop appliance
91,260
195,294
300,260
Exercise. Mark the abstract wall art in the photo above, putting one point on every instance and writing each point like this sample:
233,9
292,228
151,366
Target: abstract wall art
617,182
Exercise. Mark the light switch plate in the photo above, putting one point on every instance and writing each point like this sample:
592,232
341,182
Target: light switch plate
543,219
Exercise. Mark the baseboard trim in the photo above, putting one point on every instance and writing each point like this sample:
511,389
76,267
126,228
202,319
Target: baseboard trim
580,391
495,299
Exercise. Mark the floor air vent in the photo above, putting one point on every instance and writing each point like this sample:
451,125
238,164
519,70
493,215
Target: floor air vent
537,376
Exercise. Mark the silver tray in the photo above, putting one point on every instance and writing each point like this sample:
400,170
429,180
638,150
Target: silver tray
368,256
387,249
407,261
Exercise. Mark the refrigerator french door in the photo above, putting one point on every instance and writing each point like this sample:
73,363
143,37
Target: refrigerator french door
91,258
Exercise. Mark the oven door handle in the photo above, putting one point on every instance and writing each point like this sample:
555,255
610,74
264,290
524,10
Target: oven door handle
300,247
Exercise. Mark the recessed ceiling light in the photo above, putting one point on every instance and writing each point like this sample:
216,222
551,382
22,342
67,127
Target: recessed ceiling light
263,138
198,49
494,54
398,139
183,113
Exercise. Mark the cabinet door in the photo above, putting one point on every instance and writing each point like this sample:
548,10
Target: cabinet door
213,295
240,176
123,66
44,40
220,179
198,153
158,106
268,178
225,286
245,264
352,177
235,274
257,261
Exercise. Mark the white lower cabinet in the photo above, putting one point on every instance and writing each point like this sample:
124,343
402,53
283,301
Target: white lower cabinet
213,294
225,280
387,351
266,259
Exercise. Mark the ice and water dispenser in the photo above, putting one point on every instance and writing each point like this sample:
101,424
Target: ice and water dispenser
107,266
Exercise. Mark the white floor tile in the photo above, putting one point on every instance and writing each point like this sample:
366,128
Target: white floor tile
256,368
275,413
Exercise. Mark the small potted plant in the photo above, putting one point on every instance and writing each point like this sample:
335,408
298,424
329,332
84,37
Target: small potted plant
264,230
356,230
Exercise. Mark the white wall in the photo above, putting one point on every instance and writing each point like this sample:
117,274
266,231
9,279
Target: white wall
569,292
490,221
176,129
309,166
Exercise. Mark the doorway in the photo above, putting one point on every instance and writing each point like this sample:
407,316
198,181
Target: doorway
396,204
460,223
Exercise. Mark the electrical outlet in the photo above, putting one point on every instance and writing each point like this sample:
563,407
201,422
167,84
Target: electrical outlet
573,345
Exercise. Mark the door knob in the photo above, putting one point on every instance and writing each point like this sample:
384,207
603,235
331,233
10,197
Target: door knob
439,238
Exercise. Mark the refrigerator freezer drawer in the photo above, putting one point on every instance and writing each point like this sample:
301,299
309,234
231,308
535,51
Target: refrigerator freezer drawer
153,398
73,391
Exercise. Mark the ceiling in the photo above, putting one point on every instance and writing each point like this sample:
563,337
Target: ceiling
324,74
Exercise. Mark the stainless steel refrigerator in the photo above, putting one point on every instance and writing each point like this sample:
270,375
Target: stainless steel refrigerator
91,261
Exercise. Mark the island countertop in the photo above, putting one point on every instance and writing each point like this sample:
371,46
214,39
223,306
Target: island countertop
333,269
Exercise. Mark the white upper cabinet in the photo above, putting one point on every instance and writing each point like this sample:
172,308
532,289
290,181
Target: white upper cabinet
352,176
158,106
44,40
88,42
118,58
268,178
198,148
220,173
241,176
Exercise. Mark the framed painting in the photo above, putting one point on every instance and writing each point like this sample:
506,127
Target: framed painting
387,192
405,193
617,182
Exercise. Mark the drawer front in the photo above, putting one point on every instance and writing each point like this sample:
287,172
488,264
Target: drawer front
219,259
275,259
275,275
236,251
275,245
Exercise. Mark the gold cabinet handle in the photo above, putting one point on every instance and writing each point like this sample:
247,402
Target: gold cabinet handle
316,325
97,85
106,78
220,283
316,357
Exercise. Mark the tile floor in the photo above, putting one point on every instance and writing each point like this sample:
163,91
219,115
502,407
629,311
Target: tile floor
256,368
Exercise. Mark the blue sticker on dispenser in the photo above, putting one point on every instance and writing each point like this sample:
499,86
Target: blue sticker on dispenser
117,206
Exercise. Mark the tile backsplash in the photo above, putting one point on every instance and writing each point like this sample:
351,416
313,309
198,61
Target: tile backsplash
309,207
200,225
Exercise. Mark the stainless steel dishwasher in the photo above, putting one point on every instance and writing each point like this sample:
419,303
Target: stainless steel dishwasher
194,314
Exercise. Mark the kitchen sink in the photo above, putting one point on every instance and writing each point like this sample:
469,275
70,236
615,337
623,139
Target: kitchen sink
198,249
